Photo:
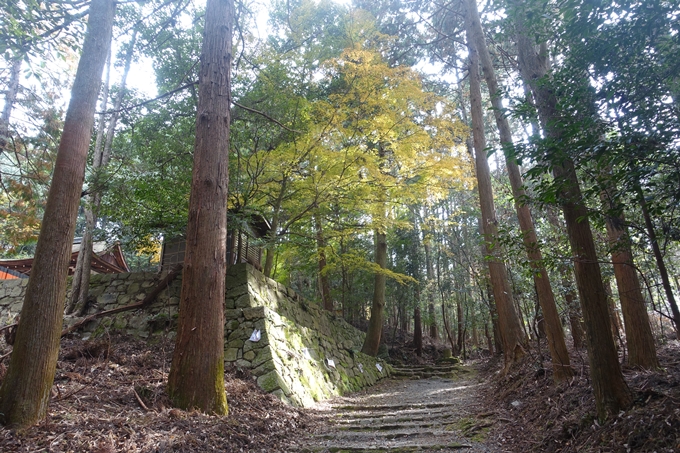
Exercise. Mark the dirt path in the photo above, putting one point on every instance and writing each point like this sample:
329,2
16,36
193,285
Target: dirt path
421,409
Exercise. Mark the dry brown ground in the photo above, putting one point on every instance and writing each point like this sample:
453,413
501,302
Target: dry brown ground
109,396
535,415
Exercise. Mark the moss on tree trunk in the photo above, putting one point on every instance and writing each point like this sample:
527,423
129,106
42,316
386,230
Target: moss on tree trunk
196,378
25,391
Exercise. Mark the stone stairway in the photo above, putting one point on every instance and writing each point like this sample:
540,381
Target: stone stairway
446,371
424,409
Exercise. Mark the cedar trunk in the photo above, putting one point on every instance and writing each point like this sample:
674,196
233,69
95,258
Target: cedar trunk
197,372
658,256
372,341
575,318
611,391
546,299
613,314
429,265
81,275
25,391
447,329
510,329
417,329
460,327
324,282
639,338
573,308
102,154
432,316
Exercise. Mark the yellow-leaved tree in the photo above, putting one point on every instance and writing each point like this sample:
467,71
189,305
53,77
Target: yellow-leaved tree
402,141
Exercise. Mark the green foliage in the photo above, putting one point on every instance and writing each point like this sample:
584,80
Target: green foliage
25,170
148,193
332,124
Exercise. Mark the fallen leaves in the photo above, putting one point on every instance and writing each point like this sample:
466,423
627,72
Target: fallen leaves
111,398
561,418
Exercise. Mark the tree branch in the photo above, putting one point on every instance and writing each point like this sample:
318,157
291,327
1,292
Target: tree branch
174,272
257,112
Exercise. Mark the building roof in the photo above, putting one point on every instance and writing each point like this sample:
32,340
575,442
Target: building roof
106,259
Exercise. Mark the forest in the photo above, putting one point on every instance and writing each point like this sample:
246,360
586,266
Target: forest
501,177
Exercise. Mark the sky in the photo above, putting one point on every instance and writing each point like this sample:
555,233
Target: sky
141,73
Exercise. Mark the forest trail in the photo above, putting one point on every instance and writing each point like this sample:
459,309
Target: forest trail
424,409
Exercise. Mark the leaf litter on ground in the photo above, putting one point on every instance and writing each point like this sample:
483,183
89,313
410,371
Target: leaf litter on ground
109,395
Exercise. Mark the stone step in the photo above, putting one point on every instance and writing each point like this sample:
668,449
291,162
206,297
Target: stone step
381,425
426,375
440,448
445,366
392,417
399,432
400,415
417,371
404,439
423,415
398,372
390,407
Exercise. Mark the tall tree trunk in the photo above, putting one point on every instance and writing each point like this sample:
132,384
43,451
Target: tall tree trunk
539,321
658,256
429,265
270,249
81,286
323,275
25,391
575,316
372,341
434,334
489,340
611,391
405,320
102,155
417,327
570,299
86,241
460,327
493,314
475,335
448,329
613,314
10,99
555,335
81,276
197,372
414,271
639,337
511,331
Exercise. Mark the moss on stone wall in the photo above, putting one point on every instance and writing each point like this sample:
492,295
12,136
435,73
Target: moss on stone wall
305,354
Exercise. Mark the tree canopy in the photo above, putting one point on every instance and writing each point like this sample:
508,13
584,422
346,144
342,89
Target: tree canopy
351,132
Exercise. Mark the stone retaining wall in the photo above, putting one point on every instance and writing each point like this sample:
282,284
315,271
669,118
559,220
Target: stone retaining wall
109,291
304,353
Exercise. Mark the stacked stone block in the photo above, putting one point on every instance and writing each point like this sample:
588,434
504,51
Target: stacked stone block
108,291
12,294
305,354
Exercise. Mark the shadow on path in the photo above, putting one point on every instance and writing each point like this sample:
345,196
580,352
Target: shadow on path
427,409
